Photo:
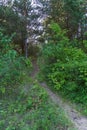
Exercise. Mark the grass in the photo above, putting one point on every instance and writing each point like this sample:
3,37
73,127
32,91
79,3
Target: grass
80,104
29,108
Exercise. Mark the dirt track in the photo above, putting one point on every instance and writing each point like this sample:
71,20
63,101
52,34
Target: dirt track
79,121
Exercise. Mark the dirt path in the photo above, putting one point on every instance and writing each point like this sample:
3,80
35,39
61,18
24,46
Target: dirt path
79,121
76,118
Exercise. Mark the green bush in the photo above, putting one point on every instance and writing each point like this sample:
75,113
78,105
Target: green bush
65,67
11,65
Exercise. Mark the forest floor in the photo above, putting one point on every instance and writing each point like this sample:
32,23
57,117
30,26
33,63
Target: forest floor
79,121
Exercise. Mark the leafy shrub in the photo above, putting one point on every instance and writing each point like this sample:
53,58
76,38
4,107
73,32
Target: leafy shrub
11,65
65,67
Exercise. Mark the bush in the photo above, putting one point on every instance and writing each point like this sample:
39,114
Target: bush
65,67
11,65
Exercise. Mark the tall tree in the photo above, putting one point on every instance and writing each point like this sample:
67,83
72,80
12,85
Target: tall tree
22,8
69,14
14,17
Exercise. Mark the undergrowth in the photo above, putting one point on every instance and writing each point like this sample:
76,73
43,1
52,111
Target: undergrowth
64,67
31,109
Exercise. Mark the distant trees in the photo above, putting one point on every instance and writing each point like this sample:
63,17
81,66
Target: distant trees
14,18
22,7
20,17
70,15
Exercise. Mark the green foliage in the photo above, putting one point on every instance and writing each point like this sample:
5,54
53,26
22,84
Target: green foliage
69,14
11,65
65,67
31,110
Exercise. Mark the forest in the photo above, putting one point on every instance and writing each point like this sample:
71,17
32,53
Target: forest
43,65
